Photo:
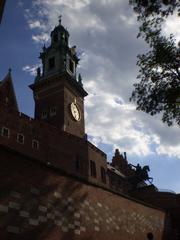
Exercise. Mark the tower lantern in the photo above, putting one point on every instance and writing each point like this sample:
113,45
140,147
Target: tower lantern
60,35
59,57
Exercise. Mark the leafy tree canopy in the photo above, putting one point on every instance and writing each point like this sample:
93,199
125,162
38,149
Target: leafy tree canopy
158,90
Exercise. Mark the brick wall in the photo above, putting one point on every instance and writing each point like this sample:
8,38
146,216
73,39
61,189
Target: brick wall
56,148
53,90
99,158
167,200
37,202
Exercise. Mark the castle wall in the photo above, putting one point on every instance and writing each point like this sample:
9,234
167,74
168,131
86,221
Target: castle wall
99,158
56,148
37,202
167,200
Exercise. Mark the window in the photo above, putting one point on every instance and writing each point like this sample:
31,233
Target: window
55,37
51,63
5,132
44,115
53,111
63,36
35,144
20,138
93,168
103,175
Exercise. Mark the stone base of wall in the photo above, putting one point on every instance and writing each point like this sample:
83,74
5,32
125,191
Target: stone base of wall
37,202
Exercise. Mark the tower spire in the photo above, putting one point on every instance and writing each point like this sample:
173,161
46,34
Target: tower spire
9,71
60,19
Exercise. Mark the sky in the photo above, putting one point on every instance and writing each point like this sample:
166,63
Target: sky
104,32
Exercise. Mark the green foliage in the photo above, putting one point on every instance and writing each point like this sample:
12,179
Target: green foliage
155,8
158,90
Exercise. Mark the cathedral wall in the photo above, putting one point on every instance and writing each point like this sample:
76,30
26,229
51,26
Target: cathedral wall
99,158
56,148
37,202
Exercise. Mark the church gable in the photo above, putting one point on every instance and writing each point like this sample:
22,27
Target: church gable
7,94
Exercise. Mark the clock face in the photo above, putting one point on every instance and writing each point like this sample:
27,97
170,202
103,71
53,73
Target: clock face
75,112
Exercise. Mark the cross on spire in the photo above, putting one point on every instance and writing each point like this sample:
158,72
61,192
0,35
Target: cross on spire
60,18
9,70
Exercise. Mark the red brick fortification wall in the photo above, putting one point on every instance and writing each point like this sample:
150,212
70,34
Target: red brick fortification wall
166,200
37,202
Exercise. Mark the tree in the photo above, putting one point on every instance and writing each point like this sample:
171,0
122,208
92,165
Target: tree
159,69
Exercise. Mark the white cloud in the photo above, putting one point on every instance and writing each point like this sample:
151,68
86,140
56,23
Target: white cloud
171,26
171,151
31,69
36,24
116,124
106,33
78,4
42,38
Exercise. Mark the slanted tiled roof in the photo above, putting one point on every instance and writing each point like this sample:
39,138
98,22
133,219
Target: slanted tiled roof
114,170
7,93
2,3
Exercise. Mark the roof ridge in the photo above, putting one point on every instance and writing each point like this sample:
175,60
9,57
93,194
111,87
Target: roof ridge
8,76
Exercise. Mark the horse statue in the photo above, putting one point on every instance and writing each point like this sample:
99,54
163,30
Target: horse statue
145,175
140,175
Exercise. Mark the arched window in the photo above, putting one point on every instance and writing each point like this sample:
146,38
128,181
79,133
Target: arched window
93,169
5,132
20,138
35,144
51,63
55,38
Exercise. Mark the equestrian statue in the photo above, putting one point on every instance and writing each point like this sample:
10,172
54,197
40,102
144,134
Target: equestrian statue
140,175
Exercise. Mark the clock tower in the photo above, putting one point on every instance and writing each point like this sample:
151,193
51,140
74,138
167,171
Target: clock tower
58,93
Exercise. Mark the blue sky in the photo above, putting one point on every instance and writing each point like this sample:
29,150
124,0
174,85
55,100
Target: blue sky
105,34
17,50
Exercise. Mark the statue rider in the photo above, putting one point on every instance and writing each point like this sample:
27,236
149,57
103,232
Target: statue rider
138,168
141,172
